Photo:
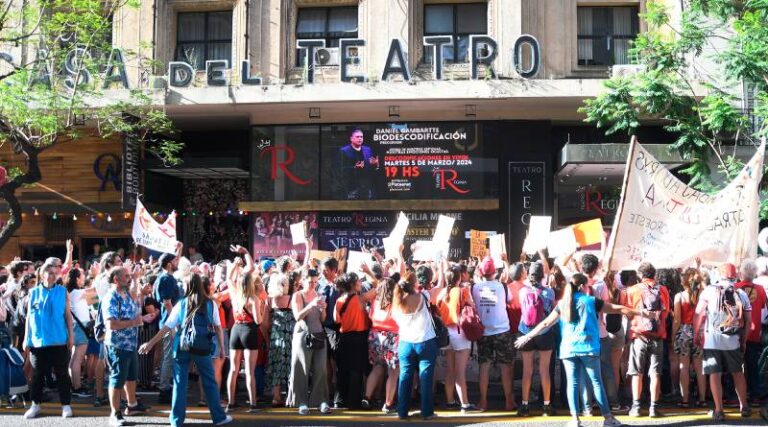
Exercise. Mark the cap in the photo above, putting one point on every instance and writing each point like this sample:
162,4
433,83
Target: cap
266,265
487,267
728,271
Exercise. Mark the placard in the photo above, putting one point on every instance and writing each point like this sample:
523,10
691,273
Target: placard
355,259
299,232
497,245
562,242
477,246
424,250
589,232
443,229
319,255
538,234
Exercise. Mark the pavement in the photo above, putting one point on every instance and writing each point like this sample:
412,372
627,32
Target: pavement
86,416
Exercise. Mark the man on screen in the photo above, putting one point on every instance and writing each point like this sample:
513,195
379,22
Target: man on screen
357,165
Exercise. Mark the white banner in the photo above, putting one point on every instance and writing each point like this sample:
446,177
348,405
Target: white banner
663,221
149,233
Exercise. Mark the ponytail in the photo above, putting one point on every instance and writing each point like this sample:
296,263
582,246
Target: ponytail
569,312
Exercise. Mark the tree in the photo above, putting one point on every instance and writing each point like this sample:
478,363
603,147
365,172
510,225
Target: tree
57,72
691,74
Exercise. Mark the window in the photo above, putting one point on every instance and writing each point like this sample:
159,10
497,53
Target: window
328,23
459,20
605,34
204,36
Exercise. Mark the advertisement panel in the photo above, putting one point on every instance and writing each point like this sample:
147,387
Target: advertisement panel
271,233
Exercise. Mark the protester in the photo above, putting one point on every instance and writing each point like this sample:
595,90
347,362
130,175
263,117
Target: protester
352,354
49,338
682,330
580,345
326,287
757,300
647,336
122,317
308,354
198,313
496,346
167,293
726,311
79,300
102,285
417,348
281,320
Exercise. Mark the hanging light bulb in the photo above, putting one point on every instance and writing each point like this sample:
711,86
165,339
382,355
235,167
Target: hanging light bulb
74,217
55,217
109,218
241,213
210,213
36,212
127,215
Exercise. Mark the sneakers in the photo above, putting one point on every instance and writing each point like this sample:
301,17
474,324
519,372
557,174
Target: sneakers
226,420
453,406
612,422
470,408
32,412
429,417
98,402
547,410
717,416
746,412
231,407
303,410
116,420
136,409
365,405
523,410
654,412
253,409
634,411
325,409
66,411
619,409
574,423
388,410
587,412
81,392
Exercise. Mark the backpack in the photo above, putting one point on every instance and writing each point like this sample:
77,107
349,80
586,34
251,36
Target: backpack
532,308
99,326
651,300
729,317
469,321
197,330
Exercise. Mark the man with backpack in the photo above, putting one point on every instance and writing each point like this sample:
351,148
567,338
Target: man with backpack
757,299
122,318
168,294
726,314
647,337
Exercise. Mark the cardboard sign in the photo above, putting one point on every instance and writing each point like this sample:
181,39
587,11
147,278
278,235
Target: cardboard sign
588,232
562,242
320,255
538,234
498,246
477,247
299,232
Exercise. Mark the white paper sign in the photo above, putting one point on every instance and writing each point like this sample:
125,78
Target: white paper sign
424,250
443,229
391,248
663,221
562,242
355,259
299,232
497,246
396,237
149,233
538,234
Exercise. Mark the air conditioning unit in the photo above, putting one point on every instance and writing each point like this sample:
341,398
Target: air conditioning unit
327,56
626,70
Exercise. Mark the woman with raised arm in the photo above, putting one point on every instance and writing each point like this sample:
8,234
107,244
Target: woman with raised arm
243,339
580,345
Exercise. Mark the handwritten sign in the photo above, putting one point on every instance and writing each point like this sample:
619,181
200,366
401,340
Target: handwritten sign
320,255
299,232
538,234
477,246
663,221
152,235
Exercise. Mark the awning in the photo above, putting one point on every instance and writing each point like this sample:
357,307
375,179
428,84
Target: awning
590,163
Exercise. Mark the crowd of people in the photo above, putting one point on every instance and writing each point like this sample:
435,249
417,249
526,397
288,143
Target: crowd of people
314,337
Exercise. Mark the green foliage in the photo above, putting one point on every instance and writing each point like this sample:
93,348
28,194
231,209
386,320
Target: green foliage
703,108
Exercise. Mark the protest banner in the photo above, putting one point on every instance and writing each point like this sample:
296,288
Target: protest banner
538,234
588,232
562,242
299,232
497,245
477,247
149,233
663,221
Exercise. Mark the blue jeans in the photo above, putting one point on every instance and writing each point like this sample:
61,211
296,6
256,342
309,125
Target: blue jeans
609,382
180,377
123,366
412,356
573,371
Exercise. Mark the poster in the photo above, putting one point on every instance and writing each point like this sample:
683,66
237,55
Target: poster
406,161
299,232
663,221
152,235
538,233
477,247
588,232
272,233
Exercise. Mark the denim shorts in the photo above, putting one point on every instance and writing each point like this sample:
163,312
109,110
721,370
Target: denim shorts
123,366
94,347
80,337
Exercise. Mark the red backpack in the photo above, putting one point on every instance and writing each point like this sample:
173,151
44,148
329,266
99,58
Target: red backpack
469,321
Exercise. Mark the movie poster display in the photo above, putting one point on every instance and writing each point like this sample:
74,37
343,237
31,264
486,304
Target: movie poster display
405,161
271,233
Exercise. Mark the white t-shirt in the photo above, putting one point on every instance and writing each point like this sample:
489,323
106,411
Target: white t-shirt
708,303
491,300
600,290
79,305
102,286
175,319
